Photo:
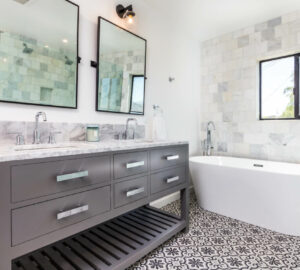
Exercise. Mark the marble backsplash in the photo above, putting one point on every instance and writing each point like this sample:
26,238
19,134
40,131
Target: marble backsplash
69,132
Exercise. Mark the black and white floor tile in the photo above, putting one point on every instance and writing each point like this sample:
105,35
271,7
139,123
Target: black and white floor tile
217,242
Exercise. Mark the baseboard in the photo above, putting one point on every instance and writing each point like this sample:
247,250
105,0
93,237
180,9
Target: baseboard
166,200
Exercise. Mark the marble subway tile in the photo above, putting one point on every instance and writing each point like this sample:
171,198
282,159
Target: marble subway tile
222,87
238,137
227,117
274,22
257,151
274,45
260,27
268,34
243,41
222,147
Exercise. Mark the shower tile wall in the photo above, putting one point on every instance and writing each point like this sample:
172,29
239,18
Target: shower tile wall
41,76
118,67
70,132
230,90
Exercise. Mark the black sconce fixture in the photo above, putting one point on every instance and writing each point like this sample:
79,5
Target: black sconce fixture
125,13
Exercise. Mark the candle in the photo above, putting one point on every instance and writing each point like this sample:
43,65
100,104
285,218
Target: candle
92,133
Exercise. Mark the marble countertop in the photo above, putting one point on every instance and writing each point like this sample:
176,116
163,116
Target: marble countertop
12,153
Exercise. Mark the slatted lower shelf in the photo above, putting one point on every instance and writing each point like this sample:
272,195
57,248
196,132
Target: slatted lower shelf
113,245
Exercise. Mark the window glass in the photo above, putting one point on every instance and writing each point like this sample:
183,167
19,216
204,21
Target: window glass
277,88
137,96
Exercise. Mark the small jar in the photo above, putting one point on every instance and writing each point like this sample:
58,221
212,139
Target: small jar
92,133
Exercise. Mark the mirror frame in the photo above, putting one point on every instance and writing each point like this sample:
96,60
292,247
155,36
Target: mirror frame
98,67
77,66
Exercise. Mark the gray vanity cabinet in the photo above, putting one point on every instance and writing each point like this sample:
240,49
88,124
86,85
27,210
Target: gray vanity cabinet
52,215
166,157
64,209
130,164
130,191
39,179
166,179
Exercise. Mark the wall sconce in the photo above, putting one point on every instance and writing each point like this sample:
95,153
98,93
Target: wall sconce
125,13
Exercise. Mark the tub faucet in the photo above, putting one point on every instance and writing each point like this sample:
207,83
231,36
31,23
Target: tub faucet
36,133
208,143
127,136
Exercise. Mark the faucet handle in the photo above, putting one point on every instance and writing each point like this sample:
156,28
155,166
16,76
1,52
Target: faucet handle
52,139
20,140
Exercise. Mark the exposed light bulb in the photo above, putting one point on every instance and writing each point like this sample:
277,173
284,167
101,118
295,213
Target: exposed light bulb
4,60
130,19
46,46
65,41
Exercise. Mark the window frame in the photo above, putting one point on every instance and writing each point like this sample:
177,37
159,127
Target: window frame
132,85
296,87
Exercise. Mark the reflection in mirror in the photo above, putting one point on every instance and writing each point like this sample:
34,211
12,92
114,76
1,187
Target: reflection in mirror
121,70
39,52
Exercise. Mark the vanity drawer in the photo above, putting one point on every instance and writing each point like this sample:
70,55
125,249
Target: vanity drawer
167,179
130,164
162,158
39,219
36,180
130,191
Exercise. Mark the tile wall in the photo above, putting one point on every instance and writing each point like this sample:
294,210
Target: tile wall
34,72
229,90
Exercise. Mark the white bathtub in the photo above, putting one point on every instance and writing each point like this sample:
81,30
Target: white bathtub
262,193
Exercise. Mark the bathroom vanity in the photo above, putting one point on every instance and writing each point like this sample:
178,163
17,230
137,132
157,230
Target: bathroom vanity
86,206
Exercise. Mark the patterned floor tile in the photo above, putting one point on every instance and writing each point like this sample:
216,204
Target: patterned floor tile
217,242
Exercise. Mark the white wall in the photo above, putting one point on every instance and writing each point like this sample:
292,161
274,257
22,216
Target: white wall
170,53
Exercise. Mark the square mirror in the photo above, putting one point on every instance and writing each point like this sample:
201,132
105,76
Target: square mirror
39,52
121,70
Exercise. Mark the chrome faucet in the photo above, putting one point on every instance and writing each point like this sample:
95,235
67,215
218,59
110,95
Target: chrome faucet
36,133
127,136
208,143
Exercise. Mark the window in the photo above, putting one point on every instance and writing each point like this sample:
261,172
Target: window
137,94
279,88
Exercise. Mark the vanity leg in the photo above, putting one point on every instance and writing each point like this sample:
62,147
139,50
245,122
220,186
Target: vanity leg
185,206
5,218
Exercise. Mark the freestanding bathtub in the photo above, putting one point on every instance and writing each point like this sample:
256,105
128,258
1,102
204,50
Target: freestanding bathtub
262,193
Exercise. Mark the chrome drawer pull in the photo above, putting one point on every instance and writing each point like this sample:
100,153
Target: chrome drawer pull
72,212
71,176
173,157
135,164
135,192
172,179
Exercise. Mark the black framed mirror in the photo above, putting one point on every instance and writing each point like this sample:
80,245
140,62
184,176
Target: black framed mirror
121,70
39,52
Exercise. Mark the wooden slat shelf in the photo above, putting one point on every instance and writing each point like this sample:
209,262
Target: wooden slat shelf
113,245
